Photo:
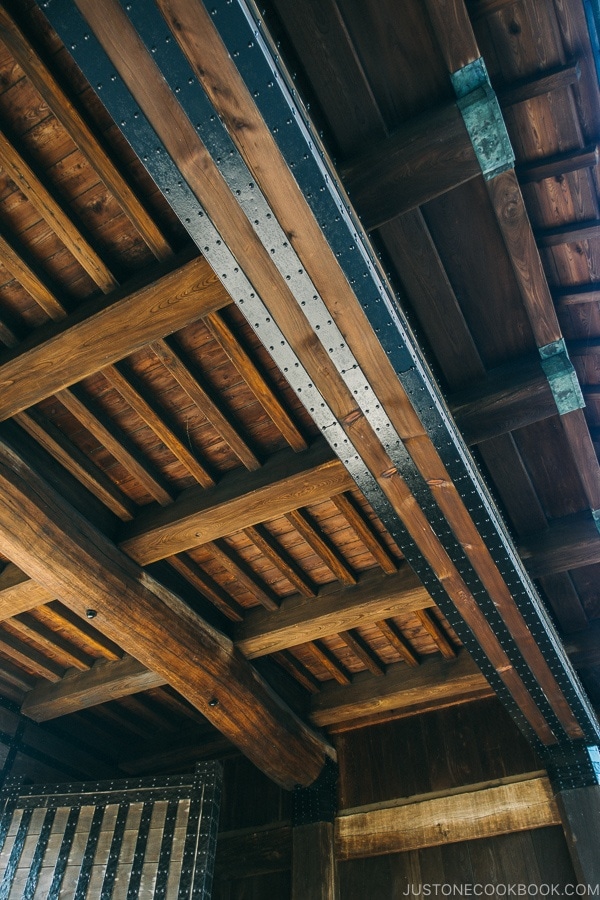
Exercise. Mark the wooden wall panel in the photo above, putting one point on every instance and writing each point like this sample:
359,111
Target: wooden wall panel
440,751
532,858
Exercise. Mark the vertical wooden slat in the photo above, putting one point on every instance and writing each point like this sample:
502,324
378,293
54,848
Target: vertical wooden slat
114,852
85,872
38,855
164,857
63,854
15,855
140,851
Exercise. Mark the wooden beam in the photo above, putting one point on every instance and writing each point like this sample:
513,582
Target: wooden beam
300,620
19,593
568,543
583,647
424,158
106,680
57,547
568,234
580,816
314,867
435,683
106,329
559,164
509,397
577,293
286,482
557,78
483,813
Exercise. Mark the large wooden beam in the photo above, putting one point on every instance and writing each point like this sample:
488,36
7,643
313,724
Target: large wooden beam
286,482
487,812
434,684
299,620
509,397
57,547
568,543
424,158
105,330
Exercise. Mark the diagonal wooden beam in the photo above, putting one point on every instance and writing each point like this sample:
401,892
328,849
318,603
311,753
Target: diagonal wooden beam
409,168
61,550
104,330
509,397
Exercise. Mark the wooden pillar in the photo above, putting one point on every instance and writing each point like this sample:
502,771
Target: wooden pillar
314,868
580,814
575,775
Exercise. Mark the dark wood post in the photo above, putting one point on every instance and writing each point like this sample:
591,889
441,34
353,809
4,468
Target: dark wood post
314,868
575,775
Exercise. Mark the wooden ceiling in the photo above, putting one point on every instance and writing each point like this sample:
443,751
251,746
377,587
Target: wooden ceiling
236,502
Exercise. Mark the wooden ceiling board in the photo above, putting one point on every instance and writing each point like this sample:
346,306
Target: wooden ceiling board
370,68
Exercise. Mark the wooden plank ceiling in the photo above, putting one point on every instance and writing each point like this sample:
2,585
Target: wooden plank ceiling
182,527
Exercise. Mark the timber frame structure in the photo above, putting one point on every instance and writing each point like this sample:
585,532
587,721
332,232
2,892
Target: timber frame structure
299,394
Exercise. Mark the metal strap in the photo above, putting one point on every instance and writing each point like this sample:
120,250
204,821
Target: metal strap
483,118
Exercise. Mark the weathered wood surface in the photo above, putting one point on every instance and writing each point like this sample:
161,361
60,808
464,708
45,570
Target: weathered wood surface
253,851
424,158
579,812
490,811
433,684
70,557
314,867
105,681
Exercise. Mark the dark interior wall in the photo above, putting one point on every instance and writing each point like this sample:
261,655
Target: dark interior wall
436,753
37,754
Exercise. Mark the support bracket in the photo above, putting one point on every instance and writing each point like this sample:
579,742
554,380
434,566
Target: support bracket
574,766
483,118
562,377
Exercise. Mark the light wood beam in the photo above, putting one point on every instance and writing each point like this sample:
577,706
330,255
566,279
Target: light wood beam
106,680
286,482
19,593
104,330
56,546
401,691
476,813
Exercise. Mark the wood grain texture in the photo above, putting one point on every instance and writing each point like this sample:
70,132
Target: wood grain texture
435,683
509,207
105,330
314,868
104,681
490,811
66,554
287,481
410,168
579,811
299,620
19,593
81,133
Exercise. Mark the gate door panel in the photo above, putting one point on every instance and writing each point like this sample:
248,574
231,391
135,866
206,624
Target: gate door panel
111,840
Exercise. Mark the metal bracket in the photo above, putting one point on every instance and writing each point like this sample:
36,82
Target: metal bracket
483,118
596,518
573,766
318,801
562,377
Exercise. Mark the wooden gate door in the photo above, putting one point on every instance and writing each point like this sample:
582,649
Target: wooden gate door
111,840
